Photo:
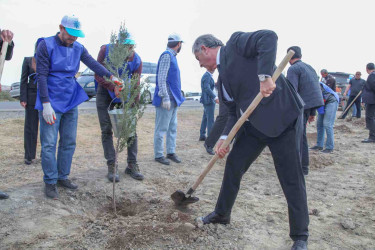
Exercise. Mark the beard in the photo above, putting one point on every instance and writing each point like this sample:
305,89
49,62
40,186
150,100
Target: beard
179,49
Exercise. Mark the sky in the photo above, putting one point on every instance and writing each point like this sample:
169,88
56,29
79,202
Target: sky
336,35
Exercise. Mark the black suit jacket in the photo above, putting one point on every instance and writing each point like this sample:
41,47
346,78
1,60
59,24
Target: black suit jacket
245,56
368,95
28,89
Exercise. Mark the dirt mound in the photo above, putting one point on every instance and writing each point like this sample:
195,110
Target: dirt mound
321,160
359,122
342,129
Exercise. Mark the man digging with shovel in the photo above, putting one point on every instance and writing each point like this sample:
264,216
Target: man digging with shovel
245,65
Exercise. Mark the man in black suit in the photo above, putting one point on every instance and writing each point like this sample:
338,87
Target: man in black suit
368,97
245,67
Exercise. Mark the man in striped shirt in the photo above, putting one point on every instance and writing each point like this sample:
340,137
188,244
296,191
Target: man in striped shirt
167,99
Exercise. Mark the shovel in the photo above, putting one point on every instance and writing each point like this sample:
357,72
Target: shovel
350,105
179,197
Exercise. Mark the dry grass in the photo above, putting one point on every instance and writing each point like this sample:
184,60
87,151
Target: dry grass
89,151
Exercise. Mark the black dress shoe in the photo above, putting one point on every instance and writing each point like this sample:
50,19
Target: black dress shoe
316,148
368,140
162,160
202,138
174,158
215,218
299,245
133,171
3,196
209,149
67,184
327,151
28,162
51,191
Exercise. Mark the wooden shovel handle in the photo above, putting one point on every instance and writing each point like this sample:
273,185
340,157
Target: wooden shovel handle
243,118
4,49
351,104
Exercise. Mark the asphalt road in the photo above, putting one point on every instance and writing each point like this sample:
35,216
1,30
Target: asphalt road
15,110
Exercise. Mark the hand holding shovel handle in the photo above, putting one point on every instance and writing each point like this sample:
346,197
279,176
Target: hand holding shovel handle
179,197
4,49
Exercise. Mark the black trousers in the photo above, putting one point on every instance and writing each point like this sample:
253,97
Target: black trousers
357,103
218,126
285,150
103,100
305,145
370,120
31,131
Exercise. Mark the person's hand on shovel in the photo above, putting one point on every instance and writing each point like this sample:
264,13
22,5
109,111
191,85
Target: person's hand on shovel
7,35
221,152
267,87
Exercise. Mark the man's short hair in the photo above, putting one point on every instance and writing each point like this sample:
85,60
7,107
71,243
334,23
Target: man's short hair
297,50
172,44
324,71
370,66
207,40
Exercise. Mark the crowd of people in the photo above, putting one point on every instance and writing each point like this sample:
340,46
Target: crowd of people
52,105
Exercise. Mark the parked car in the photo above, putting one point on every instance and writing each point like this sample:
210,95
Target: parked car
15,90
342,82
149,84
86,80
195,96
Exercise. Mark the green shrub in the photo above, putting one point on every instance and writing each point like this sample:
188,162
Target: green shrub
5,96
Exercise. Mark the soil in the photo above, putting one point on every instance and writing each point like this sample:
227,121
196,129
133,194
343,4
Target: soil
340,187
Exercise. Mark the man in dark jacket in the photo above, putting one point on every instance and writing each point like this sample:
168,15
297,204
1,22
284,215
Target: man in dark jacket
355,86
328,80
208,99
6,35
306,82
368,97
219,124
245,66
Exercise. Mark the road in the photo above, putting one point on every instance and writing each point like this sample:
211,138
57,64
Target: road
15,110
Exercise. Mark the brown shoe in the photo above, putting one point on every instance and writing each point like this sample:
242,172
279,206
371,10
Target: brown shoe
133,171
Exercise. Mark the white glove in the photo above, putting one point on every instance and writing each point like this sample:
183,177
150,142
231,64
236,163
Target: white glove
115,79
166,105
48,113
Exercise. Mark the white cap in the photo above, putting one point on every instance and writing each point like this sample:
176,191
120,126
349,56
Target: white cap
174,37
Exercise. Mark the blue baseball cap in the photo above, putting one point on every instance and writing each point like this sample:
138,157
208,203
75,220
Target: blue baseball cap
72,26
129,39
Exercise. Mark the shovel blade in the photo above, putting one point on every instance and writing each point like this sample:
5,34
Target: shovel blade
180,198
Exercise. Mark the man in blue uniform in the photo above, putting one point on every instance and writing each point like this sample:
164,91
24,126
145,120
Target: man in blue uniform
58,59
208,99
167,99
106,93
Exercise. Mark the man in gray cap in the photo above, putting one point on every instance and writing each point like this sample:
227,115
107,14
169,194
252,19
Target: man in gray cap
167,99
